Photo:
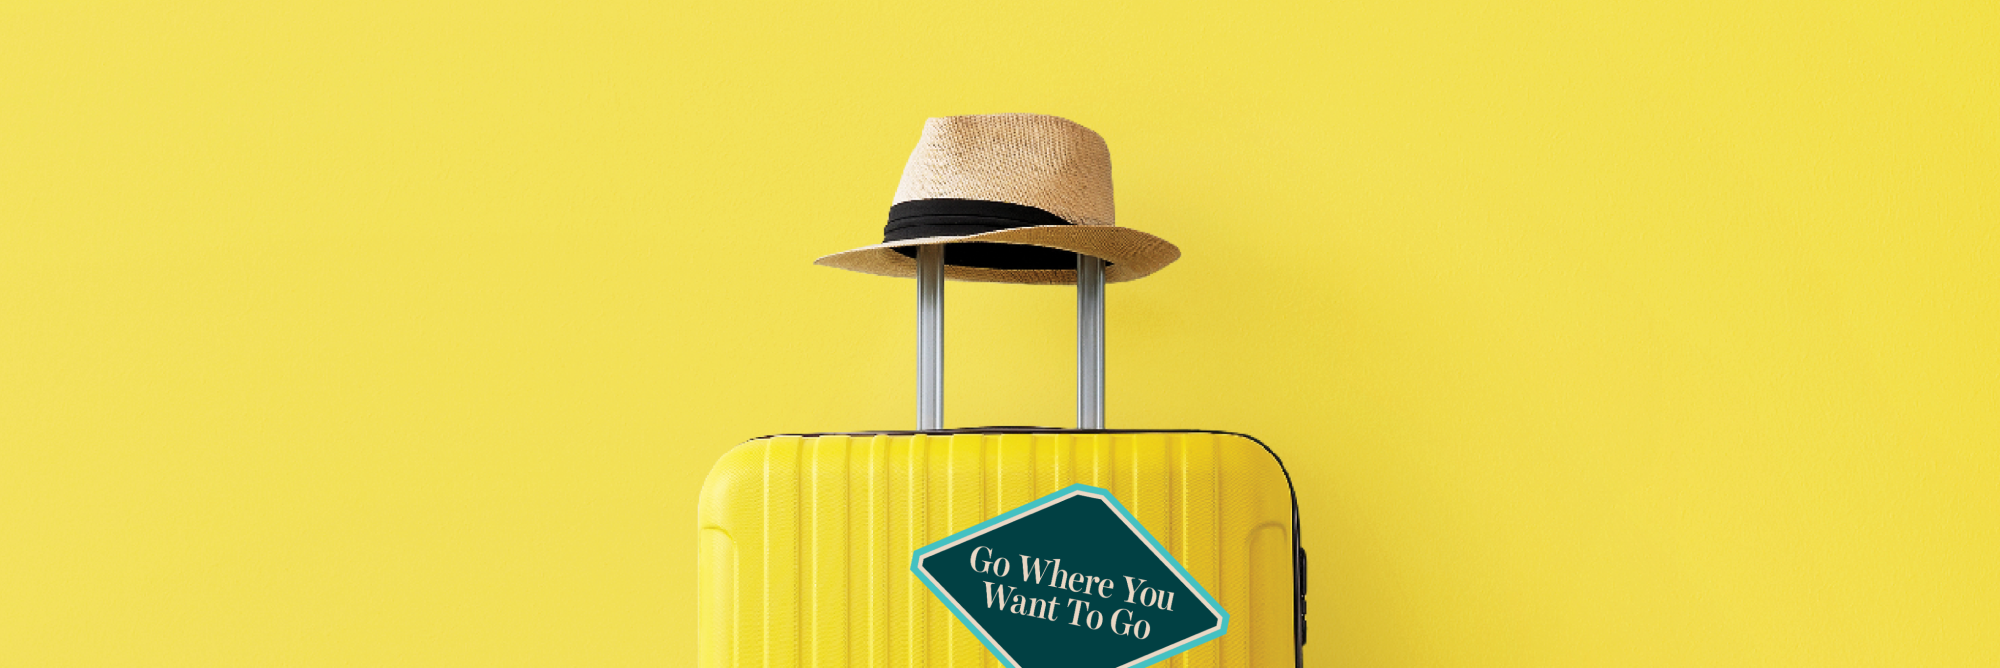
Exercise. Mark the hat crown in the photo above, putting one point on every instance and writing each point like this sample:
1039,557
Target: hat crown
1046,162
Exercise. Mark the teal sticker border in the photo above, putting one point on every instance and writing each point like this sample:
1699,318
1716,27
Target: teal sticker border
1101,494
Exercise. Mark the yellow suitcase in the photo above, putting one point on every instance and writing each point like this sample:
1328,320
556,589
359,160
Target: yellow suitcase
806,540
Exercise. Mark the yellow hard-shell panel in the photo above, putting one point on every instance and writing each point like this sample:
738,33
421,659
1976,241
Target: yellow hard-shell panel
806,541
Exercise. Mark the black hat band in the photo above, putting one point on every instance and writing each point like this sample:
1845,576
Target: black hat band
918,219
921,218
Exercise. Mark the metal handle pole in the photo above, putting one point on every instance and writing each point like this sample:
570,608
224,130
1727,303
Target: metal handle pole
930,337
1089,342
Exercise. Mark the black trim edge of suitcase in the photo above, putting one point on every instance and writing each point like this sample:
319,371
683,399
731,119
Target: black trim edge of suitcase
1298,550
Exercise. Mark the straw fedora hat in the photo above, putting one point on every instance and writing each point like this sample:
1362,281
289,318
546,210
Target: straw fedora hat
1016,196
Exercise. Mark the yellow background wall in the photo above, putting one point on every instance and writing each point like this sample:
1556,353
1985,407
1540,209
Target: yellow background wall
341,335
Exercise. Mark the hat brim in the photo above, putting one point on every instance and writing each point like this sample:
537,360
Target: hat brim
1131,254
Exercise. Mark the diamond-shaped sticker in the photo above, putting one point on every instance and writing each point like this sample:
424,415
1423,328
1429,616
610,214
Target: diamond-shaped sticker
1070,580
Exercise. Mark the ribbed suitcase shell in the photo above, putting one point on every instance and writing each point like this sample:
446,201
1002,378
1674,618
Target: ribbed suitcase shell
806,540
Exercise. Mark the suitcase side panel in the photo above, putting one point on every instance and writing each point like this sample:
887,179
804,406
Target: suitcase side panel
805,541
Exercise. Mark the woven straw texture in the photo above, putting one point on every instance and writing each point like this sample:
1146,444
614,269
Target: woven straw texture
1034,160
1041,161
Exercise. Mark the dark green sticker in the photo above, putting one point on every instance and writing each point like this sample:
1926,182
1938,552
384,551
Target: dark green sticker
1070,580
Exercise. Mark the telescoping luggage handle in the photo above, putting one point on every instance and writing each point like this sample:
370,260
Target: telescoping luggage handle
930,339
